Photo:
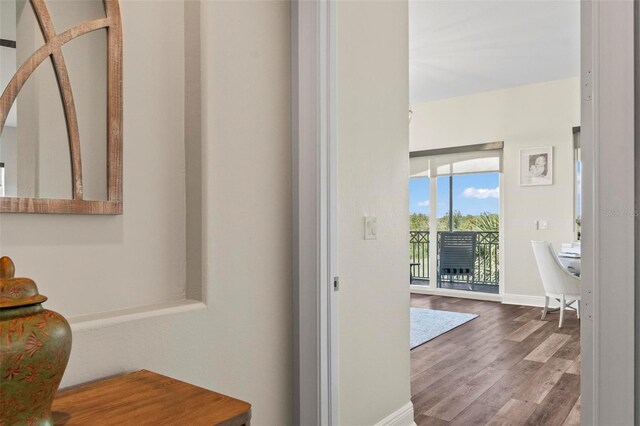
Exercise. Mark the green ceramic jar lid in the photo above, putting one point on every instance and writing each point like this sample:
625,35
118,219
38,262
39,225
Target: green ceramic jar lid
15,292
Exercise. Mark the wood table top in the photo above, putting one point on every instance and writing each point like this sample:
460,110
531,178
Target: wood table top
146,398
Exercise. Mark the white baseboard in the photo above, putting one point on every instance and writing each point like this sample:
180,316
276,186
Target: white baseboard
401,417
507,299
522,299
463,294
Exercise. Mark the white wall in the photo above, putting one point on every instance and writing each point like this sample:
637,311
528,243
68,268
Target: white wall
373,168
240,342
529,116
89,264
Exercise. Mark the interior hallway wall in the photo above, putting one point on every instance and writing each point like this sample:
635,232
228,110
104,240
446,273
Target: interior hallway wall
90,264
239,343
373,168
531,116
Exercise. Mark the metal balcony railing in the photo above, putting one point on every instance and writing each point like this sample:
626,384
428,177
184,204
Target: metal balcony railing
419,246
487,257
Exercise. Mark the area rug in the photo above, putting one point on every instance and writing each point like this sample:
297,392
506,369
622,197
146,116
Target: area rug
427,324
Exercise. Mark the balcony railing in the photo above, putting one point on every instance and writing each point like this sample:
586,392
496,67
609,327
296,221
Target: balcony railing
419,244
487,255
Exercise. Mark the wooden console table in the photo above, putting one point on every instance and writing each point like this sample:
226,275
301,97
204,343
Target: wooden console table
146,398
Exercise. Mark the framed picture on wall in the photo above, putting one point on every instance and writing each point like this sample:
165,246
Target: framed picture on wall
536,166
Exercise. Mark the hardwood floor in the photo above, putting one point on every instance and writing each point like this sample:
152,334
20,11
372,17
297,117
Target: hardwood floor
506,367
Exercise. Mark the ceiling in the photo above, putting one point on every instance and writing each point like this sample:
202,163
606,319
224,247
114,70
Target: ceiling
462,47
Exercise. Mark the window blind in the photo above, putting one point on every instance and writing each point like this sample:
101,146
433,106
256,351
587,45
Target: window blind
456,163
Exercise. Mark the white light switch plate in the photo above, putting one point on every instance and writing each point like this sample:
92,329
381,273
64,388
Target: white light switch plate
540,225
370,228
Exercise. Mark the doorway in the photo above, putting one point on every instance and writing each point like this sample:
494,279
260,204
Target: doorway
486,286
603,23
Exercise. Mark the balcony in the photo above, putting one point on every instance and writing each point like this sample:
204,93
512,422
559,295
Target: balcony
486,277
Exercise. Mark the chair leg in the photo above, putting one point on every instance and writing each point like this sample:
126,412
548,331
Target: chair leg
562,306
578,310
546,307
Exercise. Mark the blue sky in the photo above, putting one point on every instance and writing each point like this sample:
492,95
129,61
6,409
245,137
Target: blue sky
472,194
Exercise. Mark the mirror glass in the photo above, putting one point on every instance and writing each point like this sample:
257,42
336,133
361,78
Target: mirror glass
35,155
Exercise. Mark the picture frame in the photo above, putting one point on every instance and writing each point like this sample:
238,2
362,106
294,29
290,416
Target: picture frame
536,166
52,49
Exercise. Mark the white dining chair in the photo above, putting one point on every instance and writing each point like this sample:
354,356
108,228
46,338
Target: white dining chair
557,281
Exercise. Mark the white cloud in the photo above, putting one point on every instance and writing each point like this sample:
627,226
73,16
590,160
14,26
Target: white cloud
481,193
424,203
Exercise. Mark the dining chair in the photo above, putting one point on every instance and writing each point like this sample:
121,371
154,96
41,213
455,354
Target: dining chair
557,281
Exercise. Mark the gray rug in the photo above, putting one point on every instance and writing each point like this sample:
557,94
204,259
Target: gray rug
427,324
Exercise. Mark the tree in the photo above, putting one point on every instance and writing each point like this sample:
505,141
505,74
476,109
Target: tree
482,222
486,222
419,222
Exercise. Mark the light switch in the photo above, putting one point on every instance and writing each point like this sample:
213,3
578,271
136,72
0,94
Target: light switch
370,228
541,225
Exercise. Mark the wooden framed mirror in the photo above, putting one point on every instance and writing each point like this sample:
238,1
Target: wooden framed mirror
68,161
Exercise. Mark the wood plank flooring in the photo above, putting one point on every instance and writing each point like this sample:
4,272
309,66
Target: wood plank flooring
506,367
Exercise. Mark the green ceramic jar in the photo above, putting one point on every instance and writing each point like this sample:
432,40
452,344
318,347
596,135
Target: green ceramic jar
34,349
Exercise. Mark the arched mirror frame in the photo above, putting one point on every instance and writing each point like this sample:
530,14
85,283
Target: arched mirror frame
53,48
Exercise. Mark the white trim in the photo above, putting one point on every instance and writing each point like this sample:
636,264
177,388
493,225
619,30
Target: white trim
502,232
433,224
608,252
314,164
463,294
403,416
637,201
331,126
106,319
507,299
528,300
523,300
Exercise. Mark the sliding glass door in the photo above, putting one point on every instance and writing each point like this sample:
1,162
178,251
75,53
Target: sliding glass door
456,193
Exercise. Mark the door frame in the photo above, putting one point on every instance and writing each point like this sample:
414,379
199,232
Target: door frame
607,127
315,282
607,131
